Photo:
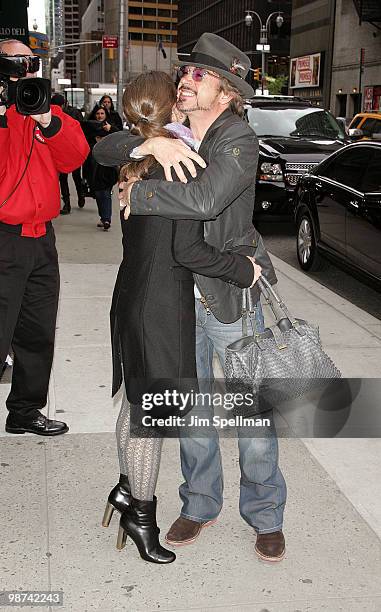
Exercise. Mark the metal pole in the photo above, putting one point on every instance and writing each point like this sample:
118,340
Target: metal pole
123,8
103,65
264,42
362,57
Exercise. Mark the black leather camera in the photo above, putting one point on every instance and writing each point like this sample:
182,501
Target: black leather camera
31,95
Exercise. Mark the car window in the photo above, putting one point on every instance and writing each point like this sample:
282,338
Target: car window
348,167
294,122
355,123
371,126
371,180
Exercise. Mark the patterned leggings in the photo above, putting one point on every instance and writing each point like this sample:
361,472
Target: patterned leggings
139,456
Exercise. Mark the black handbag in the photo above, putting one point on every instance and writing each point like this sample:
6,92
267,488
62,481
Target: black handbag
282,363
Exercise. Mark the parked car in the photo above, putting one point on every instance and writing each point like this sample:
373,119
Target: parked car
338,211
293,136
366,126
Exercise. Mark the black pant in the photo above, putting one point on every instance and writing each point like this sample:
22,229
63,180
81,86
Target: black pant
65,186
29,289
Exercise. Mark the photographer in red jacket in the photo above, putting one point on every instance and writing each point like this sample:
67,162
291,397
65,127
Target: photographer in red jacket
34,149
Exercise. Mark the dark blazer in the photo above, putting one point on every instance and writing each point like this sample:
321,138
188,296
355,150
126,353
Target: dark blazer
152,313
222,196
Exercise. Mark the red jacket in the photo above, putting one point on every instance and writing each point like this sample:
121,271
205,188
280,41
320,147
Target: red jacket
61,147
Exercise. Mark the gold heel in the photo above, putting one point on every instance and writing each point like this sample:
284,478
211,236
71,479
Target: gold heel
121,539
109,511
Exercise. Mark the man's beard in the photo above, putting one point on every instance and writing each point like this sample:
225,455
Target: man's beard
186,111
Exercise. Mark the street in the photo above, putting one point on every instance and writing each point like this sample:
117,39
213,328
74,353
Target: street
280,239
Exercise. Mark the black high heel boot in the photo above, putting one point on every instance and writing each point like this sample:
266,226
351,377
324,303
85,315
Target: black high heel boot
139,522
119,499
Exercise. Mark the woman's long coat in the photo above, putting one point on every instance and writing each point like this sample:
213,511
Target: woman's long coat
152,313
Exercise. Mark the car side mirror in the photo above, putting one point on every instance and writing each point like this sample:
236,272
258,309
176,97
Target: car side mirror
355,133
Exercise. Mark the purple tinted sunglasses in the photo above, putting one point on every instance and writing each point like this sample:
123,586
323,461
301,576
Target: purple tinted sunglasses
197,74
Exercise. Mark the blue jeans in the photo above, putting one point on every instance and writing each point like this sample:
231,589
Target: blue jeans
262,486
104,203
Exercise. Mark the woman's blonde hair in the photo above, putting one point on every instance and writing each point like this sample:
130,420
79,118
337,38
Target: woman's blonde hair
147,103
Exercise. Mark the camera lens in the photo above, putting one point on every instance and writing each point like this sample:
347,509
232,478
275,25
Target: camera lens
31,96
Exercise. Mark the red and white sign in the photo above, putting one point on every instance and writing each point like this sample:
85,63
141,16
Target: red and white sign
305,71
110,42
368,99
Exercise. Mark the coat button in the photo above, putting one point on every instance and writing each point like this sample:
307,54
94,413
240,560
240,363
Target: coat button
236,151
149,194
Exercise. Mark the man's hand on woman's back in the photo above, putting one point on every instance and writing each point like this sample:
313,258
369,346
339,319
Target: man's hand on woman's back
171,153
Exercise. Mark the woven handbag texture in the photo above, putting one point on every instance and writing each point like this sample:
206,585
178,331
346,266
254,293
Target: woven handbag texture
277,371
278,365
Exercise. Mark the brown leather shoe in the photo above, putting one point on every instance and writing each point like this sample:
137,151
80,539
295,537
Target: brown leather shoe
184,531
270,546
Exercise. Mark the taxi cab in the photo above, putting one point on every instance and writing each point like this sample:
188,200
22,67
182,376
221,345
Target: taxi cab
368,123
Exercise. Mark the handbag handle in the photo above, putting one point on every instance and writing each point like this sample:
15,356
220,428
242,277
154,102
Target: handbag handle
269,294
247,309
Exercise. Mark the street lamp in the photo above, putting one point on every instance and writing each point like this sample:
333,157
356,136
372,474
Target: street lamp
264,47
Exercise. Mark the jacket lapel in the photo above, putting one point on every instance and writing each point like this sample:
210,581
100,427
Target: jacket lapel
213,128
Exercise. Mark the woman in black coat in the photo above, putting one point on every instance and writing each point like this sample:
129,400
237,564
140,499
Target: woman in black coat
108,104
100,179
153,322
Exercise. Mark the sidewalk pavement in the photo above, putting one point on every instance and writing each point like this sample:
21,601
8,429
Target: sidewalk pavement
54,490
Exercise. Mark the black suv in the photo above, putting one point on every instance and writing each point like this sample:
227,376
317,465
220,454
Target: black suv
294,136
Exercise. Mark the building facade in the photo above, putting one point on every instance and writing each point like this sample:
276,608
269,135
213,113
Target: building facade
356,66
91,57
311,49
150,37
227,19
336,54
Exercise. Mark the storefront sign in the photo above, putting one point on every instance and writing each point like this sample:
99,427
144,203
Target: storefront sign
14,20
305,71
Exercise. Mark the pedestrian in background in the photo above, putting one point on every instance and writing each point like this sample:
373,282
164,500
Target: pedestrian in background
101,179
76,114
115,118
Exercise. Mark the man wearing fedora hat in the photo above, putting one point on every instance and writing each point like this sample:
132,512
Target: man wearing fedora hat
211,92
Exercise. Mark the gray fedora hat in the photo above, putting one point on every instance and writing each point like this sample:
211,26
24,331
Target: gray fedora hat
217,54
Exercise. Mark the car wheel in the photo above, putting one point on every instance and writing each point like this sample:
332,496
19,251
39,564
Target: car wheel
308,256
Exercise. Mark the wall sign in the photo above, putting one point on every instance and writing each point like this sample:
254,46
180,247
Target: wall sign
305,71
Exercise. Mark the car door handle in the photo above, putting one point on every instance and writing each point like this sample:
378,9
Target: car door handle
354,203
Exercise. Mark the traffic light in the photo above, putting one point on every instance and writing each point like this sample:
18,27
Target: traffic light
257,74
